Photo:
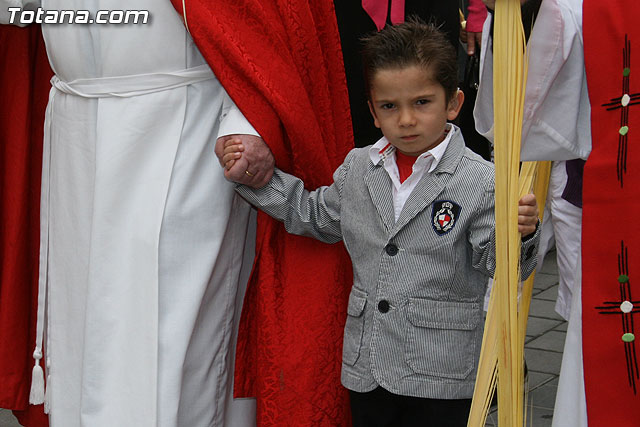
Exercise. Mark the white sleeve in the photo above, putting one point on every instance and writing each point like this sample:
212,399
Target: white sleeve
556,120
483,109
13,16
232,121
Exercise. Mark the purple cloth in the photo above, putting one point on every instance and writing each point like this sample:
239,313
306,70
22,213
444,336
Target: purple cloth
573,190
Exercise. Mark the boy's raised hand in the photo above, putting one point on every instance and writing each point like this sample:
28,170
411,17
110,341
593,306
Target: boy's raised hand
527,215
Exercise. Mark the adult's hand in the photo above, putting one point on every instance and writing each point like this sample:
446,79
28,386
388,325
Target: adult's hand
476,15
255,167
474,40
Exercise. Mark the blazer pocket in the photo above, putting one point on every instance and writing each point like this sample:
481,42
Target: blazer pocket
442,337
354,327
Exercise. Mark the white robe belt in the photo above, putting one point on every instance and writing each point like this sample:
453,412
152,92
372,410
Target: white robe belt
103,87
133,85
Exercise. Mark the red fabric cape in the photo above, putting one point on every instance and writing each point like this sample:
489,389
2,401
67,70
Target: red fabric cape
280,61
611,208
24,89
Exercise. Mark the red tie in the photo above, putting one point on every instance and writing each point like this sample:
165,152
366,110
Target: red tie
377,10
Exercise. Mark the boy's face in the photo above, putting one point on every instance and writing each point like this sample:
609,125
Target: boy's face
410,108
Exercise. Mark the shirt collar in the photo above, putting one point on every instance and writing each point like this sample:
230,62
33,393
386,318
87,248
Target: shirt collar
382,149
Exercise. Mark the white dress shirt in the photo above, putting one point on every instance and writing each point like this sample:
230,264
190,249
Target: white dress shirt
425,163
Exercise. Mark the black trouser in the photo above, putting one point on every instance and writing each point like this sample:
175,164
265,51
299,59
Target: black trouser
380,408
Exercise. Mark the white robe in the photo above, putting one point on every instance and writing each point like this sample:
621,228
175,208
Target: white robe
562,228
143,240
556,122
556,126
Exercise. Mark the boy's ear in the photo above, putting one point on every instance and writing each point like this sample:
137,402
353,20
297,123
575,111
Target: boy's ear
455,104
373,113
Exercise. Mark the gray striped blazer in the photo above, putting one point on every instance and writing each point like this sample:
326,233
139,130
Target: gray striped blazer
415,317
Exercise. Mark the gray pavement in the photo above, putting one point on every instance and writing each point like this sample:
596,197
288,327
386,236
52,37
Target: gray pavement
546,332
7,419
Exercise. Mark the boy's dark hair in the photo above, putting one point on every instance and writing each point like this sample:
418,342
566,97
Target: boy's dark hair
411,43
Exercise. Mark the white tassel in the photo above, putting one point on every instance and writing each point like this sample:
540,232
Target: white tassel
36,395
47,396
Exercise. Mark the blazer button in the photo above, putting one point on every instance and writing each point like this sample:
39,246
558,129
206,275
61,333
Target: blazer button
383,306
391,249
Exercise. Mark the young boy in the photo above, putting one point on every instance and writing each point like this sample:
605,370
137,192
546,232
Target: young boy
416,214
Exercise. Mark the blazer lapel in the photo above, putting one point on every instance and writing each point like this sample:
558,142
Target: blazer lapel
431,184
422,196
379,185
